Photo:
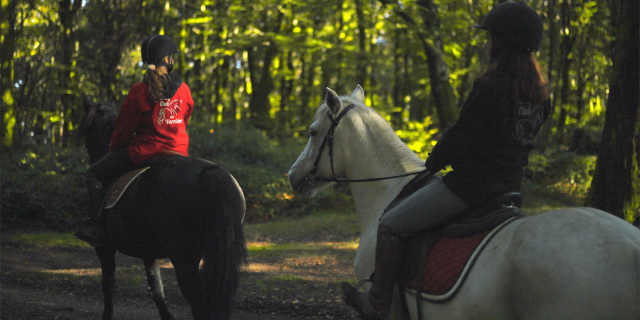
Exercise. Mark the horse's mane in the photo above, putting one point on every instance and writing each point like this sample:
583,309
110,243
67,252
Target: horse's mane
371,123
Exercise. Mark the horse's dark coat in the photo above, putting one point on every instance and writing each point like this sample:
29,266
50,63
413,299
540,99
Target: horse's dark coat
184,209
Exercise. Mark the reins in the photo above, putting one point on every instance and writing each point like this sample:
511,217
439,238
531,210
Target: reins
312,178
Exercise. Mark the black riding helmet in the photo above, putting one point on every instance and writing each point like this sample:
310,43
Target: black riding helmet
156,47
517,22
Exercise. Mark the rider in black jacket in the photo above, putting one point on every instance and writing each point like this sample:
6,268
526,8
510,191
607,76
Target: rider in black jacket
487,147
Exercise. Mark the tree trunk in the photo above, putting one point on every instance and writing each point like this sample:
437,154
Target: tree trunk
305,112
616,183
553,41
259,104
7,109
566,46
286,87
362,39
441,89
396,93
69,106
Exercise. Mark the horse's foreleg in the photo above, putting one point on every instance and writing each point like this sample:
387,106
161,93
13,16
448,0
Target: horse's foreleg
188,277
108,264
156,291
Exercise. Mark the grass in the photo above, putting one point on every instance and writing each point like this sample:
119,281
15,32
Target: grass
324,224
49,239
289,278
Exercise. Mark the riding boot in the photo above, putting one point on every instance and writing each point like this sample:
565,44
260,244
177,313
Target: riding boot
377,302
93,230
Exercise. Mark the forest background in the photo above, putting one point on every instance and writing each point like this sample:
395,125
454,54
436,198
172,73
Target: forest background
259,69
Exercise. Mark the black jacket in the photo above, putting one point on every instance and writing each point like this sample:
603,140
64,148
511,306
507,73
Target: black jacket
488,146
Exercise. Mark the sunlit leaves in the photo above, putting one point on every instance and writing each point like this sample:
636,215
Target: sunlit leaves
323,37
587,11
419,136
197,20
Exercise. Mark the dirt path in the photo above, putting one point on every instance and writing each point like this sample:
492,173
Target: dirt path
25,303
64,283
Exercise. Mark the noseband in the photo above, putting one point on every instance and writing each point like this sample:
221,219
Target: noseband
312,178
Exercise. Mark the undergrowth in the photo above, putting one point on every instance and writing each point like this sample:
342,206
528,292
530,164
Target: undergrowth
43,186
561,175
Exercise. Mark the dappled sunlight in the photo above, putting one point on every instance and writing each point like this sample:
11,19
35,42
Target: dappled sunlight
262,267
75,272
313,268
314,261
268,245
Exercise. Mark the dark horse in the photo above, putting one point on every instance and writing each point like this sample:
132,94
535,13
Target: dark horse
185,209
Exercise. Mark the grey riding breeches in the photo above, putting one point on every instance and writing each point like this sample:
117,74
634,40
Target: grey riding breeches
428,207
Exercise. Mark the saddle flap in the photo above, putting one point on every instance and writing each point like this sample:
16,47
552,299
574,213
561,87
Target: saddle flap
120,186
453,245
443,268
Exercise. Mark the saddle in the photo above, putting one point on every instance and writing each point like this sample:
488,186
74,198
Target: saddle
119,186
436,262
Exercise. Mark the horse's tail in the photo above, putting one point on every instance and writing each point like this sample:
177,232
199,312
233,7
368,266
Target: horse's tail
226,250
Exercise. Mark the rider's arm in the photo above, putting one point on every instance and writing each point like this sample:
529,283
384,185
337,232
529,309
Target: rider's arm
127,120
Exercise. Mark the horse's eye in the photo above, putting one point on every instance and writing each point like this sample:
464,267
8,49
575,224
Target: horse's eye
312,133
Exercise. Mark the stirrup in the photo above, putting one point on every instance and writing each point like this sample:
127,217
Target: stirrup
354,298
351,297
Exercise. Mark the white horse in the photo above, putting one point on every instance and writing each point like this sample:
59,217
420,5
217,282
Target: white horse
573,263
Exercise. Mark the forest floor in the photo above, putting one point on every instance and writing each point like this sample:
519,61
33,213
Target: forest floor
294,271
286,278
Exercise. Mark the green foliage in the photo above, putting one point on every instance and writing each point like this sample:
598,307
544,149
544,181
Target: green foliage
43,187
260,166
419,136
561,172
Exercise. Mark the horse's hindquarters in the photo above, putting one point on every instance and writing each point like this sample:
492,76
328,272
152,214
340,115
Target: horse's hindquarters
564,264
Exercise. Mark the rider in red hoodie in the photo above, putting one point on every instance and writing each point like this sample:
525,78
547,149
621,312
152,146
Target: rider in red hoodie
153,119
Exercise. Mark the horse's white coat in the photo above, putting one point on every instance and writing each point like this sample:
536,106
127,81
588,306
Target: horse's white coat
574,263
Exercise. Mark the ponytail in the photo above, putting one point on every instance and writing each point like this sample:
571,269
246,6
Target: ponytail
157,83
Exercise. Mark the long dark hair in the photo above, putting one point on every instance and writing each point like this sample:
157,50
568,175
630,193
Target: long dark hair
516,71
157,83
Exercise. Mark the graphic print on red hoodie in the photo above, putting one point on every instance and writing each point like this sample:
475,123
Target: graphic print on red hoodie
150,128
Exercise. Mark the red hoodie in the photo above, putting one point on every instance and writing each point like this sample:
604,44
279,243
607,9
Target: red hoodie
148,128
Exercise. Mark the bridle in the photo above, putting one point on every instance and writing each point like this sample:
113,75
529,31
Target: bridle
312,178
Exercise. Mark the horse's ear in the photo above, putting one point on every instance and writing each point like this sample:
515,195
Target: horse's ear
333,101
113,102
358,94
86,103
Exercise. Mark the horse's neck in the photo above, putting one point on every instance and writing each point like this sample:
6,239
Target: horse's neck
379,157
371,198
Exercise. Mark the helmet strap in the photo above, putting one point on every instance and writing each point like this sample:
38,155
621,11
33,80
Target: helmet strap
166,65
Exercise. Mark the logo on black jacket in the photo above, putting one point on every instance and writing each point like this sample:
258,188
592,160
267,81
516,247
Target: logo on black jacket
527,122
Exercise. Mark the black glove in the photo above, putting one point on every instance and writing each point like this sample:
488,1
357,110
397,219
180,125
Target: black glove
434,164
